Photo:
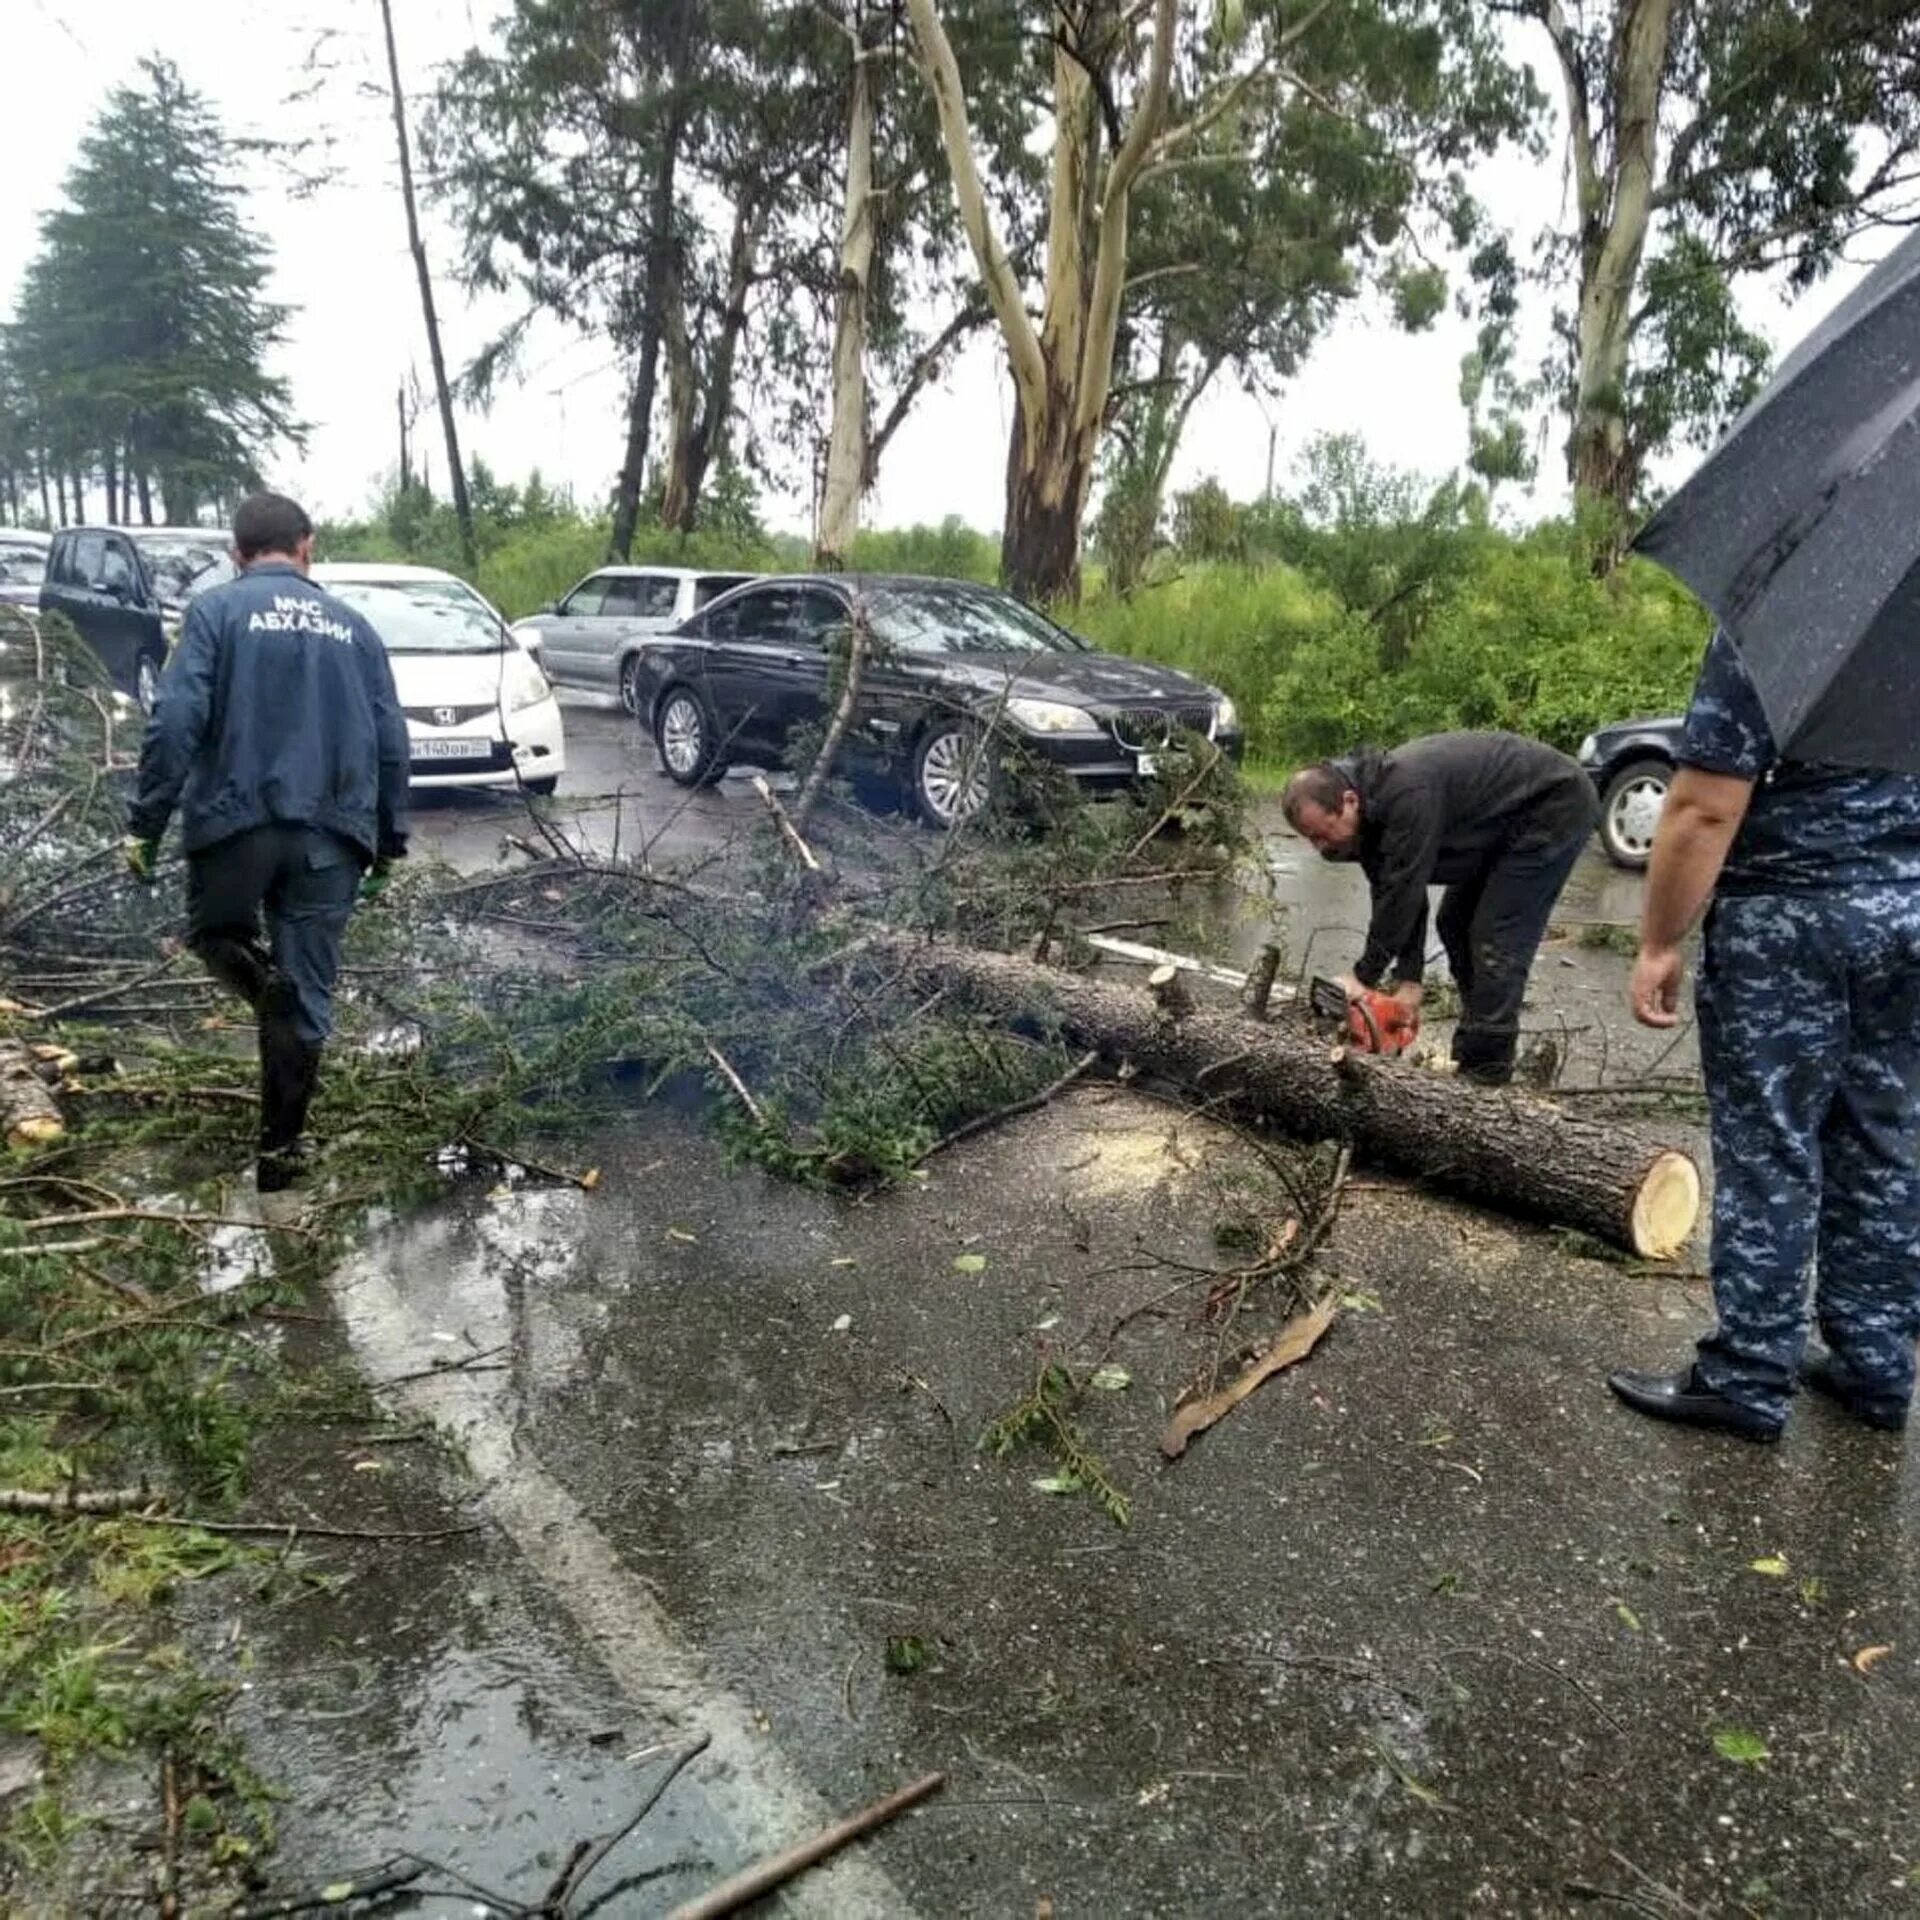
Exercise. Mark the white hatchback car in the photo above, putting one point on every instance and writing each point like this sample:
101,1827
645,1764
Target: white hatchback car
480,712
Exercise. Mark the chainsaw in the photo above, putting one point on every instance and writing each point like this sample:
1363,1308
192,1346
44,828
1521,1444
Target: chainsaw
1374,1023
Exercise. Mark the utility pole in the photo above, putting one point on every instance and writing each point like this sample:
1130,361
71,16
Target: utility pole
462,508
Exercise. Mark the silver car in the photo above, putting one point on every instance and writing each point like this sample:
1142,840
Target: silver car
594,637
23,565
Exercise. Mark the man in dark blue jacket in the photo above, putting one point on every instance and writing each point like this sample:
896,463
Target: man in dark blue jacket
278,737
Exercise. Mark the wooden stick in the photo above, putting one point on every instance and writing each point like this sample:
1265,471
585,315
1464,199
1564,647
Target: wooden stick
291,1530
777,1869
389,1877
586,1182
815,784
100,994
1032,1104
588,1855
784,821
73,1500
186,1222
1185,794
733,1080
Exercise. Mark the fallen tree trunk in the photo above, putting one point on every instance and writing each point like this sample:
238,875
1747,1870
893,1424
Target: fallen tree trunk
29,1114
1522,1154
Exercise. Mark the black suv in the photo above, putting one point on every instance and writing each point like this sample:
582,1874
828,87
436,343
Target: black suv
125,589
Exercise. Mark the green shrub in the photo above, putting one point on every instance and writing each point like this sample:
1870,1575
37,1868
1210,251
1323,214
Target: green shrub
1522,637
1238,628
528,570
1527,640
951,551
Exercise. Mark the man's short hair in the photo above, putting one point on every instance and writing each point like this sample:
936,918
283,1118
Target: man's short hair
269,523
1322,785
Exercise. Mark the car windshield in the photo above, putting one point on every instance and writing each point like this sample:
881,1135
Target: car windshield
424,616
178,560
959,619
22,563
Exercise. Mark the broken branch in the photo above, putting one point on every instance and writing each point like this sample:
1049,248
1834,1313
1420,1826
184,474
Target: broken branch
791,834
73,1500
775,1871
739,1086
589,1854
980,1123
1291,1344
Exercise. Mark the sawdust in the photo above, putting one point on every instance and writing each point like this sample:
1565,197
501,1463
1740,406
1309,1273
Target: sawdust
1112,1148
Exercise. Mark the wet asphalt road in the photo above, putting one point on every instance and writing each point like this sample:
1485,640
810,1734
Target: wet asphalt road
1428,1625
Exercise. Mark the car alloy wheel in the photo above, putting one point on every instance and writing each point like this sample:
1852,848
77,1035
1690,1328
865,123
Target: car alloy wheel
684,737
630,684
1635,798
952,777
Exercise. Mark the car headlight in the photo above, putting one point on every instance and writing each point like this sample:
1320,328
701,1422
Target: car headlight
522,685
1226,716
1590,748
1051,716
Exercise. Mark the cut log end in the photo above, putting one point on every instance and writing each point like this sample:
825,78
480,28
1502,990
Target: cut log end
1666,1207
1170,992
27,1110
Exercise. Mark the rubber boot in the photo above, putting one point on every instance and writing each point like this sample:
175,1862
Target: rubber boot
289,1070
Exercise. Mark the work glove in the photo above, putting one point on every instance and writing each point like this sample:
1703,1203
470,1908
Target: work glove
141,856
375,882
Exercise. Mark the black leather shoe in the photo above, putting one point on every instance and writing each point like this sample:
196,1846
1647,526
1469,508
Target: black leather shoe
1826,1373
1684,1398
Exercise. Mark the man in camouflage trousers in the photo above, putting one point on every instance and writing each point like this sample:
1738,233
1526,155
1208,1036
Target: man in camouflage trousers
1809,1015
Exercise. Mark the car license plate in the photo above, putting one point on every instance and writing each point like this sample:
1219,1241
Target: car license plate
1147,764
455,749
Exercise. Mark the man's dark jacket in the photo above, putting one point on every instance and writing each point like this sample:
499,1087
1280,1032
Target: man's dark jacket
277,708
1442,811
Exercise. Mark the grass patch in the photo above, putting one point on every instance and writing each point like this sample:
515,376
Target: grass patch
1607,936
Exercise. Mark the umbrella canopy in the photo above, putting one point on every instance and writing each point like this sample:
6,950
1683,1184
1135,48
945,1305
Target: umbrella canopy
1801,531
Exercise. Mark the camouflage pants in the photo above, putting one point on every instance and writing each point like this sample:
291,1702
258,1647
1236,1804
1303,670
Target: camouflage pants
1810,1041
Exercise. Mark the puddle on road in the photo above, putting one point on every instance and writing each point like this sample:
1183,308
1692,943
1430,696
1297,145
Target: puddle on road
433,1703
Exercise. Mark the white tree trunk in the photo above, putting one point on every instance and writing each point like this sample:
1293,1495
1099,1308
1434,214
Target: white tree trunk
847,442
1063,373
1616,218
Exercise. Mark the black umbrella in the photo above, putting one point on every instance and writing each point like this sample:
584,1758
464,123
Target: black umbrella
1801,531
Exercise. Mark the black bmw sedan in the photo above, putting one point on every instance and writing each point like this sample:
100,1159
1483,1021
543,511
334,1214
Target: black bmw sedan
954,669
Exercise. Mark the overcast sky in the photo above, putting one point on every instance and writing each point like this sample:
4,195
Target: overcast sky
343,267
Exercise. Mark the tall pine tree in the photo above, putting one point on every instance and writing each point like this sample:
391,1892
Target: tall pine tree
143,330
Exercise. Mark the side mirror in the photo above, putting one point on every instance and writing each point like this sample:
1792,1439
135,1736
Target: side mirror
550,606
